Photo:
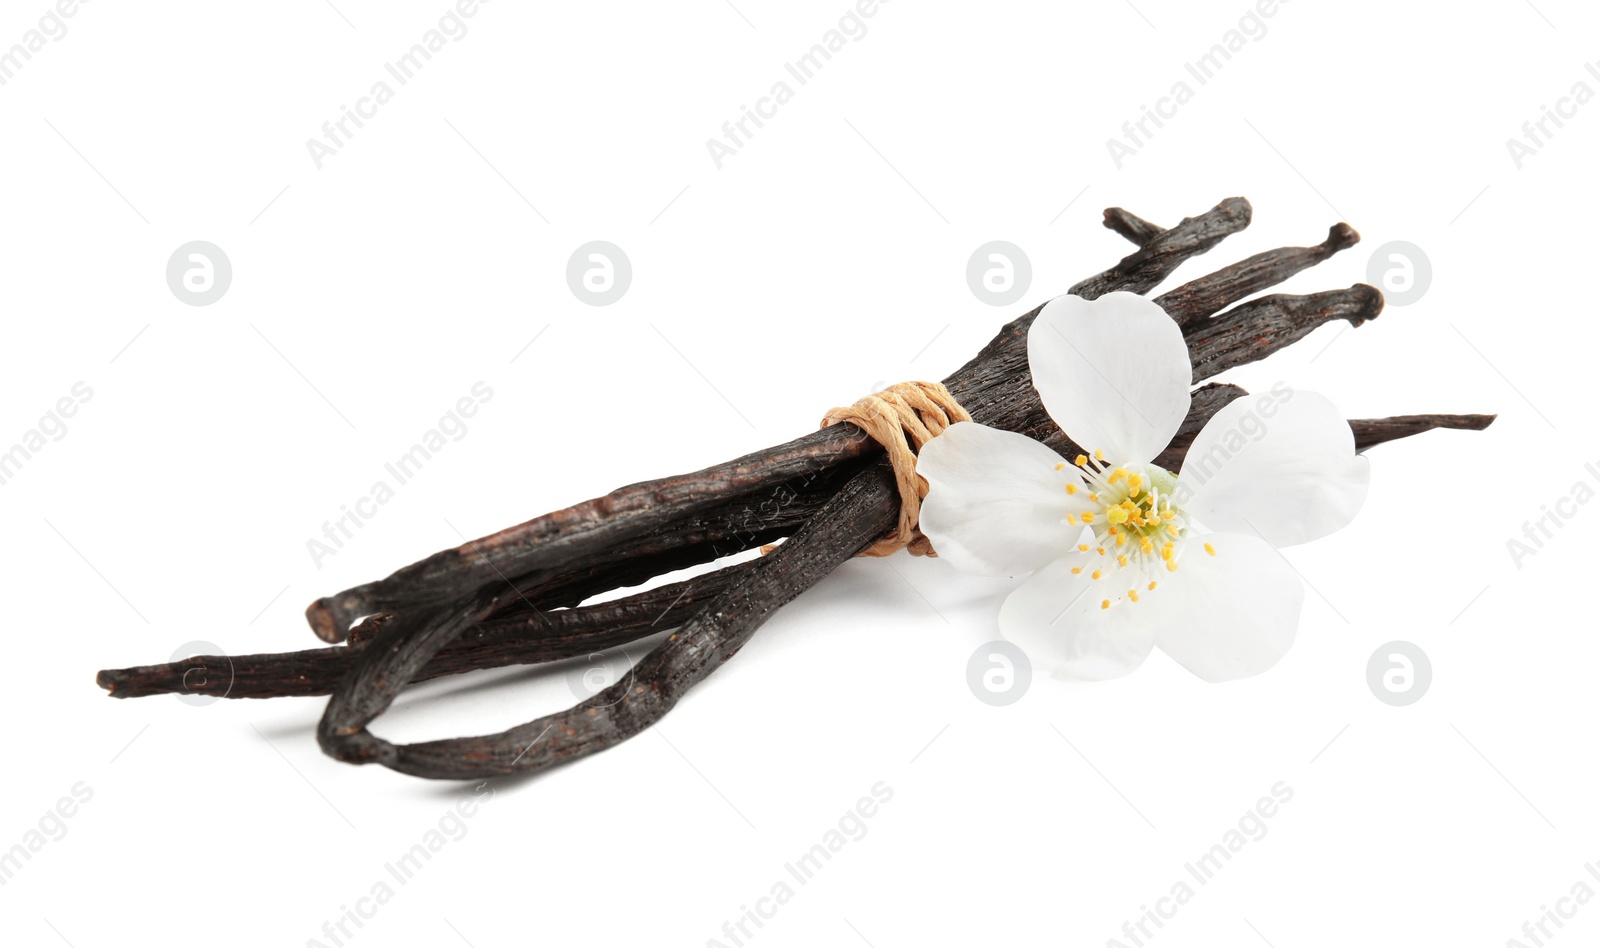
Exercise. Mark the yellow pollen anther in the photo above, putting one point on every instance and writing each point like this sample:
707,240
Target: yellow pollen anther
1105,604
1080,460
1101,550
1133,595
1076,570
1095,575
1116,475
1121,538
1071,488
1152,584
1087,517
1098,456
1122,560
1211,549
1094,497
1061,465
1083,548
1172,566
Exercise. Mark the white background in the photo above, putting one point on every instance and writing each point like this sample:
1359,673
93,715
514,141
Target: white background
827,255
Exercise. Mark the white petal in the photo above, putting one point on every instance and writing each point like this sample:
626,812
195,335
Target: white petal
1056,618
1114,373
1226,616
1281,466
996,501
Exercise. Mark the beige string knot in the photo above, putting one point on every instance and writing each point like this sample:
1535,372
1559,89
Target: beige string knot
903,418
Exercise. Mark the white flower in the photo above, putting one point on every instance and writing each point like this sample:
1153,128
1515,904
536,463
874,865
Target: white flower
1126,555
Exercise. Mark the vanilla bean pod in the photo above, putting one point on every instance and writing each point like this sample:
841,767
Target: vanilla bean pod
1233,338
1372,431
521,638
1192,302
1131,226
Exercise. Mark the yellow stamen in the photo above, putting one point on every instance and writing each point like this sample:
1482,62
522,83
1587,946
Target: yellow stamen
1152,584
1211,549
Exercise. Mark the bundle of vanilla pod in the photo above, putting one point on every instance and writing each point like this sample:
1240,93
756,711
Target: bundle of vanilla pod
516,597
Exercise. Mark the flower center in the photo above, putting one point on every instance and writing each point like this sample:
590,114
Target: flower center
1138,526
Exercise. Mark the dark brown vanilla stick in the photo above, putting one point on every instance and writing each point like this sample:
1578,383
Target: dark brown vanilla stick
1154,261
1234,338
1373,431
521,638
1192,302
1132,226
